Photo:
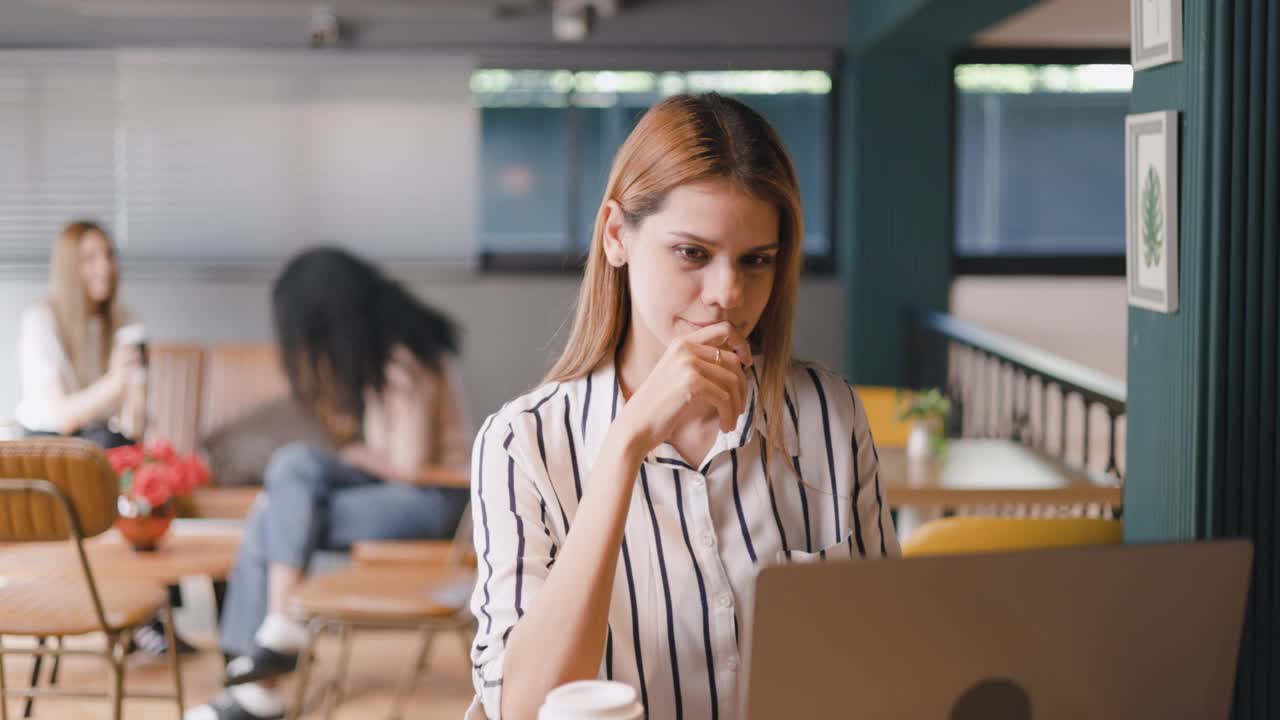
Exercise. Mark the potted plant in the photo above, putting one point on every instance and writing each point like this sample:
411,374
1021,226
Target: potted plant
152,478
927,412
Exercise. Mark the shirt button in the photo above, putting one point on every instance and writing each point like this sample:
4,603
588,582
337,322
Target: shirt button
731,664
708,540
726,601
697,481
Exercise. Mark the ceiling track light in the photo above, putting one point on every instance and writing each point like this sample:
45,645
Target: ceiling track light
573,20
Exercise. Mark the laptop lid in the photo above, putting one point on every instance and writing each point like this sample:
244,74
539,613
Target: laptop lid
1119,631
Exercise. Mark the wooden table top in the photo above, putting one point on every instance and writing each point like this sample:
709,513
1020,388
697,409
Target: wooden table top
991,472
190,548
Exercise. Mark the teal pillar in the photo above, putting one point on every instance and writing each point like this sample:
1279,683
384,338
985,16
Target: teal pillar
1169,356
895,184
1204,383
898,208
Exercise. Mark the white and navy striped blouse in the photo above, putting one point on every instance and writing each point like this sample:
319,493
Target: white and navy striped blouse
694,536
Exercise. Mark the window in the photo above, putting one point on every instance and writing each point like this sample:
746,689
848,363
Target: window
57,158
224,159
1039,161
548,138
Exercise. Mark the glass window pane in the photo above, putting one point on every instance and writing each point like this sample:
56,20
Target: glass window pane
523,177
523,159
804,122
1040,159
602,131
597,110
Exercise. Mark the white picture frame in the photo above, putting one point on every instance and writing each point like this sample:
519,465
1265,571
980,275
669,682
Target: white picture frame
1155,32
1151,210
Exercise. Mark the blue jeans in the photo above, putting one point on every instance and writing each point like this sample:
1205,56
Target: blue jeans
314,500
98,434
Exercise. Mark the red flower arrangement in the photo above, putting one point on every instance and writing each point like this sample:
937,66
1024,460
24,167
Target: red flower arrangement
151,476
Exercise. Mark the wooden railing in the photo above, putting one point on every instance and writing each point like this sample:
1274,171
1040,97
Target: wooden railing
1006,388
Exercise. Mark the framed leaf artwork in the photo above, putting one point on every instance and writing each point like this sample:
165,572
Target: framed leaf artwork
1151,210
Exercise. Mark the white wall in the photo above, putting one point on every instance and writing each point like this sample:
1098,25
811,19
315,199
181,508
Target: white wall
1083,319
512,325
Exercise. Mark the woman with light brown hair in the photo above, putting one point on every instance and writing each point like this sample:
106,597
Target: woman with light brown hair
77,378
623,508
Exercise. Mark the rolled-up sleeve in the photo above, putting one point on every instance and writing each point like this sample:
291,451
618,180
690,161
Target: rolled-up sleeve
40,358
515,548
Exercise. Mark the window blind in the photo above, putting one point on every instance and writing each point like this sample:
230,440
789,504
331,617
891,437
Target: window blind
57,135
228,157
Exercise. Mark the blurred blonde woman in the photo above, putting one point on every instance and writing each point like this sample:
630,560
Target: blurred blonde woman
76,379
622,509
81,363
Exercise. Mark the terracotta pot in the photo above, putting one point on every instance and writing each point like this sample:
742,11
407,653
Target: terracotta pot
144,532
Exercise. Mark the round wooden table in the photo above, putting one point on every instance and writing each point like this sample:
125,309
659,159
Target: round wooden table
192,547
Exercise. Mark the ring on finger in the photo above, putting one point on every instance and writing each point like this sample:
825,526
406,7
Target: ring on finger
717,356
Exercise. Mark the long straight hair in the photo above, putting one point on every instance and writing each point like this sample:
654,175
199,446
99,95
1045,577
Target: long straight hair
72,310
686,139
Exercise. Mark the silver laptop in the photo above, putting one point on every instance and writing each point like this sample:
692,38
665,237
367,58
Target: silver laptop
1123,631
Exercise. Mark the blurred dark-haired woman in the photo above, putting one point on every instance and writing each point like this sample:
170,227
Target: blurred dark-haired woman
376,367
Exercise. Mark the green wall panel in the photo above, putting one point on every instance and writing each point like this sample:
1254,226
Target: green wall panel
1204,390
895,174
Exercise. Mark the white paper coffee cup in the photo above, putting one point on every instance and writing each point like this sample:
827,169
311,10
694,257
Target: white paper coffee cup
591,700
135,335
131,334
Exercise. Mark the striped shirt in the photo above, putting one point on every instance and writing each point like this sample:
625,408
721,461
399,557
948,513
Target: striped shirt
694,537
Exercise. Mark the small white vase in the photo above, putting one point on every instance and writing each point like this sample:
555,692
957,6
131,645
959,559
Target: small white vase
919,444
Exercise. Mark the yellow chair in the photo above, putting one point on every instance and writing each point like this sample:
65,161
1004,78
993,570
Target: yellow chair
881,404
959,535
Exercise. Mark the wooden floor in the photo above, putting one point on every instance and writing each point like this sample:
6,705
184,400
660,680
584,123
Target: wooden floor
378,660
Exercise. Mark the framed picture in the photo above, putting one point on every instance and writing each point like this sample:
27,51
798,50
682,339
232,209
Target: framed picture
1151,210
1155,30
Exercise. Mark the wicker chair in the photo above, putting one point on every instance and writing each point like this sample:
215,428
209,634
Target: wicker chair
420,586
55,489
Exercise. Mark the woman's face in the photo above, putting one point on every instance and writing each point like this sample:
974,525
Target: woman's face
97,267
707,256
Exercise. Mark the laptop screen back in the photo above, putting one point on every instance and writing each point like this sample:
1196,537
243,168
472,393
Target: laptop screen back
1118,631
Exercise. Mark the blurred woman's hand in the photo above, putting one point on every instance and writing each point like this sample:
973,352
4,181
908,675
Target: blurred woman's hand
124,360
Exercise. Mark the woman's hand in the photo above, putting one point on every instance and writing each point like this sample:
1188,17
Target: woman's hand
372,461
562,637
362,457
123,364
698,372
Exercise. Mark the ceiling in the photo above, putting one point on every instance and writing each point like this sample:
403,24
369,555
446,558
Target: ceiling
1063,23
421,24
452,24
352,9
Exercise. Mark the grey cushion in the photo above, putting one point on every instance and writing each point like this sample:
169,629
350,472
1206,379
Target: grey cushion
239,451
